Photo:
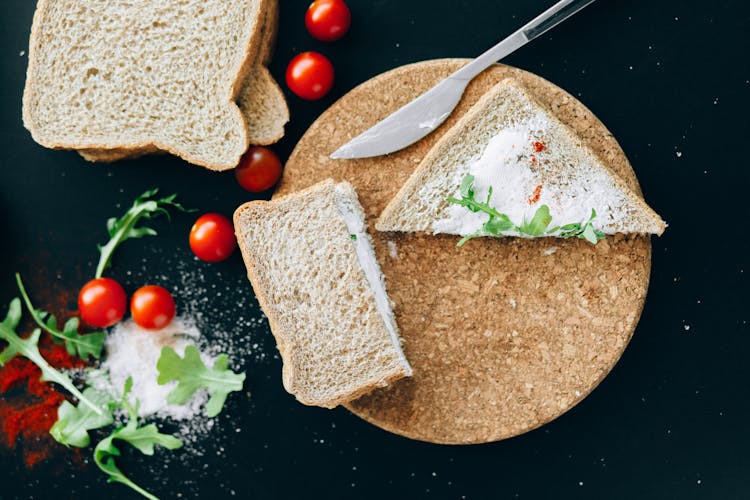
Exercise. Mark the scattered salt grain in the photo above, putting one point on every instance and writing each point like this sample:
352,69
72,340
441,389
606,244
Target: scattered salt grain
133,352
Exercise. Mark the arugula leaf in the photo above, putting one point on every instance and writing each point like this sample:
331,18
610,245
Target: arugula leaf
495,226
124,228
142,438
73,423
76,344
538,224
192,374
8,331
467,187
104,457
585,231
499,224
29,349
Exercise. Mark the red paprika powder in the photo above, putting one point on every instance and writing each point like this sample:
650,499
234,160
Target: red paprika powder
28,406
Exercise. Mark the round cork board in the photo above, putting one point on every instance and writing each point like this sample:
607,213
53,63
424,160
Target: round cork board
503,335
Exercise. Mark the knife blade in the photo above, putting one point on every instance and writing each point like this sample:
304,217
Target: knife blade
424,114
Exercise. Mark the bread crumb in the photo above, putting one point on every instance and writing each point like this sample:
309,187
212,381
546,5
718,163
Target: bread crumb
22,53
392,250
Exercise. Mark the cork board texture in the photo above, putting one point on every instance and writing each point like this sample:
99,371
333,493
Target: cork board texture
504,335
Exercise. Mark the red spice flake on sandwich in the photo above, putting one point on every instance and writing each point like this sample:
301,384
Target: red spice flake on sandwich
538,146
535,197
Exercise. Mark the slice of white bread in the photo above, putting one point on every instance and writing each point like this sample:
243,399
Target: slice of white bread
142,76
312,266
510,142
261,100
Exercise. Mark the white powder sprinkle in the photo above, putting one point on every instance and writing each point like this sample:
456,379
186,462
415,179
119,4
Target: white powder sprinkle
550,250
133,352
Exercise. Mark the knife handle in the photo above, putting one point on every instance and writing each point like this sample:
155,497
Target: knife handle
544,22
552,17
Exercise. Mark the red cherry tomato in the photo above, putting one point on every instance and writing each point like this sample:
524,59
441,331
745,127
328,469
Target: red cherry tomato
258,170
212,238
102,302
328,20
310,75
152,307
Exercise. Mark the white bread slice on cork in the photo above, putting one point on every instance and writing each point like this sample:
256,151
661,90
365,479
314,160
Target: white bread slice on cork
141,77
512,144
312,266
261,100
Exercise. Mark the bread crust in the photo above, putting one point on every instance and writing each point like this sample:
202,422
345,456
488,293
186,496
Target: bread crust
243,63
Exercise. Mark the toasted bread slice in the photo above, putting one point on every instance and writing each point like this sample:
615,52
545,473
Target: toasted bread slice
261,100
127,78
312,266
510,144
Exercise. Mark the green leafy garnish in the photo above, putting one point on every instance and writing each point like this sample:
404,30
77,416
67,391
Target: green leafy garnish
495,225
125,228
353,236
76,344
142,438
498,223
584,231
73,423
192,374
29,349
538,224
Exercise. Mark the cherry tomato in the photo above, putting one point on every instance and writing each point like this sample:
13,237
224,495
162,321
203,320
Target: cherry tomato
102,302
152,307
310,75
258,170
212,238
328,20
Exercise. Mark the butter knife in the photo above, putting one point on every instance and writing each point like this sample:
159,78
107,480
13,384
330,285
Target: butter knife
424,114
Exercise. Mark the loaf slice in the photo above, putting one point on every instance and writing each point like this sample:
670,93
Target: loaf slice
312,266
260,100
137,77
509,143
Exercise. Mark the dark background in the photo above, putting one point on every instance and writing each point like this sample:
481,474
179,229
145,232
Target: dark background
670,79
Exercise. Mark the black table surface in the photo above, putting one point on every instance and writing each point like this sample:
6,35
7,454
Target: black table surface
670,79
